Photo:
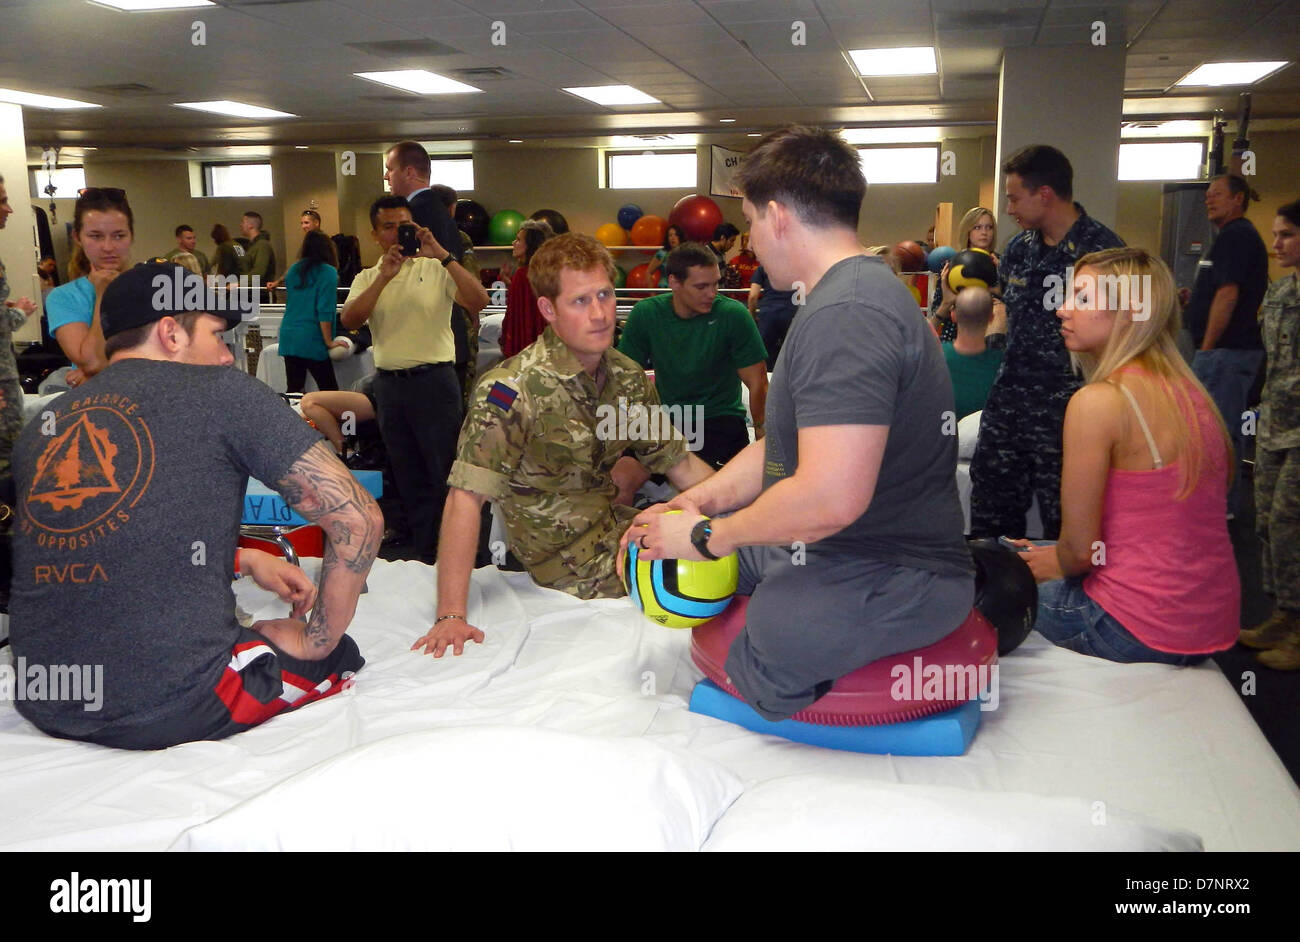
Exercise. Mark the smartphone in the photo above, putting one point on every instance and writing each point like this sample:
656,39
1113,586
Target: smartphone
407,240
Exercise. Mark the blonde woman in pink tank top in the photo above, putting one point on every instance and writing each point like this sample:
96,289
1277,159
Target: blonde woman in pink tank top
1144,569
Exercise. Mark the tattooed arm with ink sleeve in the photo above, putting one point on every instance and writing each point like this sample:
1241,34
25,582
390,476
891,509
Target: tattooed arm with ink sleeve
325,493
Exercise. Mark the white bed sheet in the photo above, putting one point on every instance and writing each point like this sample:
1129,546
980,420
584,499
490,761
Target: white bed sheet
1175,746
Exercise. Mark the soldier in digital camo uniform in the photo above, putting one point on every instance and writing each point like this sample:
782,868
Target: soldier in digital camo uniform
1018,454
545,431
1277,454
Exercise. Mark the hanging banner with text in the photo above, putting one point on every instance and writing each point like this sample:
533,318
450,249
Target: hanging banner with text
726,164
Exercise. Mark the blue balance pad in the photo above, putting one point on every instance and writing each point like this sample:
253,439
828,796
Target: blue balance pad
264,507
943,734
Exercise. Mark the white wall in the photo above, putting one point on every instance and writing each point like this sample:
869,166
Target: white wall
18,237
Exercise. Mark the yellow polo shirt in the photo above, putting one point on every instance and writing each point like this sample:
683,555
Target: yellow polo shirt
411,323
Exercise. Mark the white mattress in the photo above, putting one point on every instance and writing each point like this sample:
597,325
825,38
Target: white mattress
1175,747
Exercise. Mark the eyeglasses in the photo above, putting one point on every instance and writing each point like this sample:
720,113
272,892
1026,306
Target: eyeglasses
104,192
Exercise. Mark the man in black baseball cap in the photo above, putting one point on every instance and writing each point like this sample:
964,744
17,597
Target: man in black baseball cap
137,301
129,495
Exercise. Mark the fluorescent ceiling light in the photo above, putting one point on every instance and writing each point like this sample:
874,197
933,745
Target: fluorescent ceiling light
419,81
1229,73
234,109
892,135
42,101
515,140
150,6
613,95
904,60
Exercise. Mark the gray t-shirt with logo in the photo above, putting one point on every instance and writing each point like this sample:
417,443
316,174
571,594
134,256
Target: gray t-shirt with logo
130,493
860,353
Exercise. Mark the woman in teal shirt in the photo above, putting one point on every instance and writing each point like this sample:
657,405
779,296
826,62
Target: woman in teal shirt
310,314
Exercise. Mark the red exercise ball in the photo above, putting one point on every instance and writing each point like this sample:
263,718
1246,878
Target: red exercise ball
697,216
639,277
911,257
648,230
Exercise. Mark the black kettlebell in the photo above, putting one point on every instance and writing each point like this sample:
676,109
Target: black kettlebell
1005,592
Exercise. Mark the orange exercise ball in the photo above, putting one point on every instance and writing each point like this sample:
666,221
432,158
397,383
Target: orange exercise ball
648,230
611,233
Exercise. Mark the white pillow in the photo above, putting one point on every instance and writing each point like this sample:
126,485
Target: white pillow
484,788
817,812
968,431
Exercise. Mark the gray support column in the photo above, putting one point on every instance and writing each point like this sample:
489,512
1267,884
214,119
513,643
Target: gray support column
1071,97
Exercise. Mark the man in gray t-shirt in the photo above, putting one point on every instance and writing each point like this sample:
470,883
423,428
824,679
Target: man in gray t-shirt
846,516
129,497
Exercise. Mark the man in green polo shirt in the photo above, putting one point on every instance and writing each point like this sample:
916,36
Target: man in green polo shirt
702,346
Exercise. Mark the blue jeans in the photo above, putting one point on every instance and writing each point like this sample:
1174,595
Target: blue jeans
1067,617
1228,376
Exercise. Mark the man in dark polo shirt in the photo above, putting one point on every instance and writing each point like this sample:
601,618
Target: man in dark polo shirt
1222,314
702,346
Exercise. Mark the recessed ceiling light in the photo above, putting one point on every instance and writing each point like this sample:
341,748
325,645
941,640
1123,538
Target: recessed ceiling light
613,95
151,6
419,81
726,120
1229,73
892,135
42,101
904,60
234,109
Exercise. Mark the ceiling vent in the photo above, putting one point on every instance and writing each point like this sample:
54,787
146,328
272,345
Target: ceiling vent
122,88
986,19
405,48
485,74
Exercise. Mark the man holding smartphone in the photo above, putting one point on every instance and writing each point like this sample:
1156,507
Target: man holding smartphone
407,298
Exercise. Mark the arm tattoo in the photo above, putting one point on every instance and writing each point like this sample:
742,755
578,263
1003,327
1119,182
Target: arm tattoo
323,492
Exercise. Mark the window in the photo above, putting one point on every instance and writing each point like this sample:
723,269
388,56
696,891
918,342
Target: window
237,180
66,180
1161,160
456,172
918,164
650,170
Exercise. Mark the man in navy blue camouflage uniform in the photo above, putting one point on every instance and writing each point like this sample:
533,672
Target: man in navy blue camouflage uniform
1018,455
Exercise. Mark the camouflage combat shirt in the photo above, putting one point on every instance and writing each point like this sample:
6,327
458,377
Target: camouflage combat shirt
1279,325
541,439
1035,280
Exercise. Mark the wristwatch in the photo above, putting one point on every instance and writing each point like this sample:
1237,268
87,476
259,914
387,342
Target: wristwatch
447,260
700,534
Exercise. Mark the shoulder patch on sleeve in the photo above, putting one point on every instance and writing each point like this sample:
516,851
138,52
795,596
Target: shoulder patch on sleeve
502,396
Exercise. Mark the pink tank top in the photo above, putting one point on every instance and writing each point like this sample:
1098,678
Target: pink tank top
1169,576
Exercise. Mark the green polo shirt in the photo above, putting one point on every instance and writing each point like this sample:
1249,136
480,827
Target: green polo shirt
695,359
